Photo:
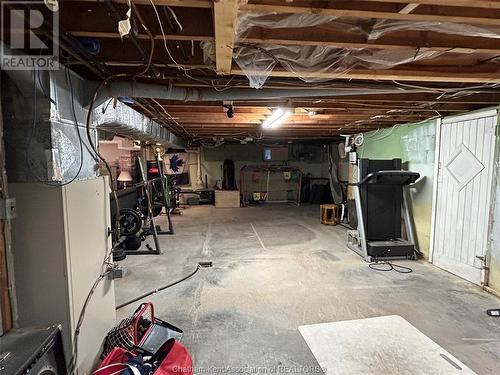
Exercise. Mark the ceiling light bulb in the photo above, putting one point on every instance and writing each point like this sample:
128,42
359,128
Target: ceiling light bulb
275,118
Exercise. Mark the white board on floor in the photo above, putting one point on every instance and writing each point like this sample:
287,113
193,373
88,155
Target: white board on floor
382,345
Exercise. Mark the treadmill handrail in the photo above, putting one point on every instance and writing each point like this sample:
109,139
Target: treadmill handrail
366,180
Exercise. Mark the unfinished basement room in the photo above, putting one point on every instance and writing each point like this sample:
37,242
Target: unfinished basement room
192,187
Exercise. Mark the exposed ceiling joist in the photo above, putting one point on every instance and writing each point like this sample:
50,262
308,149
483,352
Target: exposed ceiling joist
312,38
297,37
408,8
308,38
107,35
173,3
225,18
394,75
486,4
332,12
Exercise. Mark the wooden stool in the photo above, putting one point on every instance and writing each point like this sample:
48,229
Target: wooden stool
330,214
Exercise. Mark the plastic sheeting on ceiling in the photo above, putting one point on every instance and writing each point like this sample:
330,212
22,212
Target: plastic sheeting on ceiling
257,61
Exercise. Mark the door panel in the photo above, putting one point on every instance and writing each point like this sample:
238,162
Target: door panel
465,180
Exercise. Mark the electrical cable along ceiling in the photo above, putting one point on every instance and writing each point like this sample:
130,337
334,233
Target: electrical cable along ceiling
378,62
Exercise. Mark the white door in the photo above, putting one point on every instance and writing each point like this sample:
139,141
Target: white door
464,193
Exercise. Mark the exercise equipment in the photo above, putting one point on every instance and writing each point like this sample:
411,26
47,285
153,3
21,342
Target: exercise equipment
137,217
165,196
381,202
143,206
133,242
130,222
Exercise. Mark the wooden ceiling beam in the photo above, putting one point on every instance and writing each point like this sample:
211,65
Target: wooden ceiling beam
418,74
181,109
487,98
109,35
225,18
242,117
309,124
173,3
304,38
334,12
408,8
318,37
486,4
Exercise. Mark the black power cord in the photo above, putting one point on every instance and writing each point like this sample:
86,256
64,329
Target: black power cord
200,265
378,266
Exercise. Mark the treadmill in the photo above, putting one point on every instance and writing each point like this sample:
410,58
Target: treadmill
382,201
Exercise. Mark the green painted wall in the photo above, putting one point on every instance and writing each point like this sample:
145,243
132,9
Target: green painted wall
415,145
310,158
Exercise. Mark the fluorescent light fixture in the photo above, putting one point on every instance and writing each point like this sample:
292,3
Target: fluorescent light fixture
275,118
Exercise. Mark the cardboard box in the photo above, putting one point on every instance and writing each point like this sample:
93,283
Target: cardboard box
227,198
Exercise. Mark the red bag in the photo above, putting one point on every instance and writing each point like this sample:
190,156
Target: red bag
176,362
114,363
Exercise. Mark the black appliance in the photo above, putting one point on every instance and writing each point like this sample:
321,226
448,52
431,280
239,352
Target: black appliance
33,351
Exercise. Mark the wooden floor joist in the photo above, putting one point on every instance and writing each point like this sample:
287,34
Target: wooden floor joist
460,60
112,35
173,3
308,37
334,12
391,75
486,4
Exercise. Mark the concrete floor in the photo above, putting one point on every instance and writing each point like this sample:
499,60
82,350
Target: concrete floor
276,268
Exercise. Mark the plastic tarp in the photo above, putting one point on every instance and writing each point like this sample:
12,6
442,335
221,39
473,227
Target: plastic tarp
257,61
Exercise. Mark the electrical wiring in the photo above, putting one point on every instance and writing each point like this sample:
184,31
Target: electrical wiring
447,90
388,133
43,88
183,69
174,16
164,35
391,267
105,108
106,268
106,265
171,118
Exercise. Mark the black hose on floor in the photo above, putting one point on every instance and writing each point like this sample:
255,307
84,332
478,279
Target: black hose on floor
200,265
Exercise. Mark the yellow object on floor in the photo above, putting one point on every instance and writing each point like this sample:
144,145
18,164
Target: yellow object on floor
329,214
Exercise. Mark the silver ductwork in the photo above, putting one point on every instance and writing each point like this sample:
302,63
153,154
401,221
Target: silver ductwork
45,136
124,120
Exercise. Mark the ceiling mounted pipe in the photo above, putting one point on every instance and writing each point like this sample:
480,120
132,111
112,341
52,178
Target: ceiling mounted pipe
155,91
